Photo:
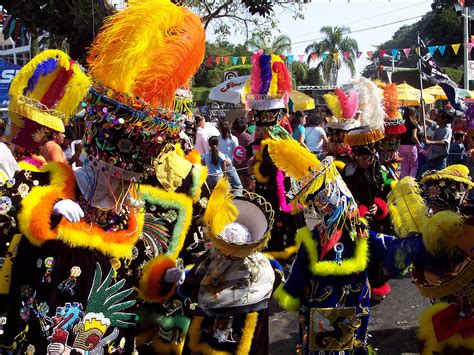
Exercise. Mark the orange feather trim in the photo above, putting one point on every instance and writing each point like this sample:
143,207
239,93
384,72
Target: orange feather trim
151,283
390,103
36,208
115,244
171,66
194,157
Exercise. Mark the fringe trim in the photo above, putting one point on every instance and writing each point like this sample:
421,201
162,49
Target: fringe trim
364,138
286,301
172,200
151,282
427,334
450,287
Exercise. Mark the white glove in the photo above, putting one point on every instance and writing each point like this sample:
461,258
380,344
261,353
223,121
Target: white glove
69,209
175,275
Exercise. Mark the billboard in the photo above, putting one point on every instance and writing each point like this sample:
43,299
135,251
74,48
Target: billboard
7,72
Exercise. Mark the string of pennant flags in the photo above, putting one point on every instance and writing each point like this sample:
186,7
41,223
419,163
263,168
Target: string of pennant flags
290,58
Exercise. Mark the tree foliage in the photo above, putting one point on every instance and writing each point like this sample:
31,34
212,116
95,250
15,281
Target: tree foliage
334,45
264,40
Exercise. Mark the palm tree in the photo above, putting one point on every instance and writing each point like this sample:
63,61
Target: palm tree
334,46
261,40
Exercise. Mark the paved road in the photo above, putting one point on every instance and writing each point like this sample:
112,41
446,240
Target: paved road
392,327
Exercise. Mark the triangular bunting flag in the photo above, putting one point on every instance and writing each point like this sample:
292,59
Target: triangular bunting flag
234,60
218,60
282,56
382,52
394,52
358,54
209,59
442,49
370,54
406,51
432,49
314,56
226,60
347,55
290,58
335,55
472,39
455,47
301,57
243,59
325,55
469,47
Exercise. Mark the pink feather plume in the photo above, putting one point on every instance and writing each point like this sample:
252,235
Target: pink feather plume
341,95
255,81
352,104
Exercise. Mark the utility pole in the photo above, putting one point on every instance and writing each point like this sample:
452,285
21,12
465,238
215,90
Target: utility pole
466,18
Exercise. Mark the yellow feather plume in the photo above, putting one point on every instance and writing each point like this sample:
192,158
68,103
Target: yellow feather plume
149,50
407,207
333,104
441,232
220,211
289,156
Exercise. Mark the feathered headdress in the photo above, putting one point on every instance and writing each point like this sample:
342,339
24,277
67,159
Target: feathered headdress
343,106
394,123
142,55
371,116
270,83
46,91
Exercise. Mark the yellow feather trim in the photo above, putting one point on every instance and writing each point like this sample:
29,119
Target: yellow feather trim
6,270
427,334
364,138
286,301
284,254
24,165
194,336
259,176
357,263
340,165
442,231
289,156
407,207
333,104
220,210
247,334
176,201
199,178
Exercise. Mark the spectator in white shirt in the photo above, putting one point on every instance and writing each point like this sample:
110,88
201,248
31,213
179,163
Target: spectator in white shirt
227,144
202,135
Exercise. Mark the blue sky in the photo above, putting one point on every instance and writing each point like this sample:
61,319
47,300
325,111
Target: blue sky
358,15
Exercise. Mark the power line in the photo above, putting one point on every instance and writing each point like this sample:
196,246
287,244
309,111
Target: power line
371,17
361,30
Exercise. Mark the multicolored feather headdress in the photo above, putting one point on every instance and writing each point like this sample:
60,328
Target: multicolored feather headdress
46,91
270,83
371,117
343,106
142,55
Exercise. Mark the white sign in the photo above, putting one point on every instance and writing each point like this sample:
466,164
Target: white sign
470,70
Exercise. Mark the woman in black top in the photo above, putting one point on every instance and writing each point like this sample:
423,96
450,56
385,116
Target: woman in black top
409,144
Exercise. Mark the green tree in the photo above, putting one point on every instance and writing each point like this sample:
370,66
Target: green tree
333,46
263,40
299,71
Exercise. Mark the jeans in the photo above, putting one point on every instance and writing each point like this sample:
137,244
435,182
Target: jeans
231,175
409,154
438,163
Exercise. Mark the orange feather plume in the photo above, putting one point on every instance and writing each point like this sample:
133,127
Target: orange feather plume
391,104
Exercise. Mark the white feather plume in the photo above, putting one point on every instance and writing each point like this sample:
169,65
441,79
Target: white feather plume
371,104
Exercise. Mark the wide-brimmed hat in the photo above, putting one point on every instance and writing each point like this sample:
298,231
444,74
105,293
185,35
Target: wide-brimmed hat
238,224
